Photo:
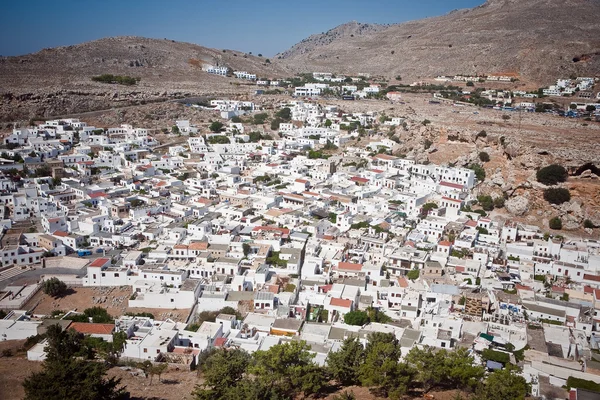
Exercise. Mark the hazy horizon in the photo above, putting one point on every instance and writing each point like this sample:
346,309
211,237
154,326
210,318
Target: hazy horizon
268,28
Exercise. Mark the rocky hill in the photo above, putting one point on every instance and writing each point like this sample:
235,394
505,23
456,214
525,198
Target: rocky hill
58,80
340,32
538,39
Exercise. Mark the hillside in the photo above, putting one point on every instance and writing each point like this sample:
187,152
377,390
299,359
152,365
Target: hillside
538,39
58,80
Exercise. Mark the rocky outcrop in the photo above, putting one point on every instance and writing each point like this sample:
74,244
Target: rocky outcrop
518,205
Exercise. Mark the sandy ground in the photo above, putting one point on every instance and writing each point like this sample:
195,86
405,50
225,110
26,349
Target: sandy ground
114,299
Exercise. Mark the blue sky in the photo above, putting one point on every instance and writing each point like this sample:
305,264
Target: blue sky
266,26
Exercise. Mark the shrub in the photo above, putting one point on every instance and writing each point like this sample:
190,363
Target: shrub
486,202
484,157
216,126
573,382
413,274
54,287
479,172
482,134
552,174
358,318
588,224
499,202
557,195
555,223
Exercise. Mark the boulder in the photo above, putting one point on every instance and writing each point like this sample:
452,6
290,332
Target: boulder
517,205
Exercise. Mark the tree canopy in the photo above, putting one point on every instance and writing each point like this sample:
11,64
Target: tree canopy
552,174
66,377
54,287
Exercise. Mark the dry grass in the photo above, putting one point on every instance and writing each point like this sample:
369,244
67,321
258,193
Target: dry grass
115,303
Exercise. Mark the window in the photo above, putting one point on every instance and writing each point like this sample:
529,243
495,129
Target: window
116,274
103,274
172,300
145,350
443,344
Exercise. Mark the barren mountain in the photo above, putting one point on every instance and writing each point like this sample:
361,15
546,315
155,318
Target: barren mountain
58,80
538,39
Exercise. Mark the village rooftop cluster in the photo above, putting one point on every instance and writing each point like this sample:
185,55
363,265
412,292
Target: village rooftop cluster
302,243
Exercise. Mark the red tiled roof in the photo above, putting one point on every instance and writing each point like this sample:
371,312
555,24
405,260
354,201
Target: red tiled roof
452,185
386,157
326,288
377,171
471,223
340,302
198,246
301,181
444,243
459,268
180,246
402,281
451,199
60,233
349,266
219,342
99,262
558,289
522,287
284,231
95,195
591,277
91,329
359,179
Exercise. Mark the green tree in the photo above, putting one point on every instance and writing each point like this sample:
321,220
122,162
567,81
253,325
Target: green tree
236,119
413,274
479,172
260,118
557,195
503,384
285,114
175,129
555,223
382,370
344,364
328,123
484,157
552,174
288,369
216,126
246,247
64,376
486,202
54,287
357,317
499,202
222,370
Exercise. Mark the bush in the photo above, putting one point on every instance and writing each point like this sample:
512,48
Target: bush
484,157
54,287
216,126
486,202
413,274
557,195
555,223
552,174
497,356
116,79
479,172
482,134
588,224
358,318
573,382
499,202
